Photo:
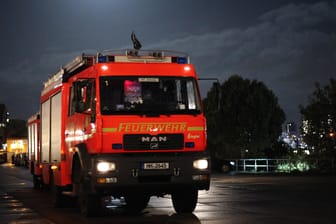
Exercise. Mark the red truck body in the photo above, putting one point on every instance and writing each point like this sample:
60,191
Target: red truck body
121,123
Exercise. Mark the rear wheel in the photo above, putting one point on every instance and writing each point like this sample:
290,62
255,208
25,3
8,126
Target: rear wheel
185,201
37,182
60,200
136,203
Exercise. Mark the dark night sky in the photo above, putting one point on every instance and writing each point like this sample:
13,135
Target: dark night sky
289,45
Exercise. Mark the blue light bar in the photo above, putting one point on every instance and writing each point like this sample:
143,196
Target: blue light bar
102,58
182,60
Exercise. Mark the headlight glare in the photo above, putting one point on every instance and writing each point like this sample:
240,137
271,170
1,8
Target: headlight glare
105,166
201,164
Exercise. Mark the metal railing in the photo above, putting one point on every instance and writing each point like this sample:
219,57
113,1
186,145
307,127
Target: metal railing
281,165
256,165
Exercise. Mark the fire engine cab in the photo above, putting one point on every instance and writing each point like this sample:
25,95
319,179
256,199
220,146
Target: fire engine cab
126,123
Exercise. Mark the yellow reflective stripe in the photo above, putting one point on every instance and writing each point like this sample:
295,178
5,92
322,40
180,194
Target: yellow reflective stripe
109,130
196,128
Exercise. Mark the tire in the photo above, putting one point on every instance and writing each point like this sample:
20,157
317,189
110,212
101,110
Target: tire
59,198
37,182
90,205
136,203
185,201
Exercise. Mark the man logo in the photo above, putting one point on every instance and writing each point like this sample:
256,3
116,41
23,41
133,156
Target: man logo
154,141
154,145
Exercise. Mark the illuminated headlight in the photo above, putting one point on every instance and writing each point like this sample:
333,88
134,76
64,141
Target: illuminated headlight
201,164
105,166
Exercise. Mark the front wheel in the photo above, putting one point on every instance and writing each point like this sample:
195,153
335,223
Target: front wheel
90,204
185,201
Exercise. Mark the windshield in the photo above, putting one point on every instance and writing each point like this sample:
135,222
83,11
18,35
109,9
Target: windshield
148,95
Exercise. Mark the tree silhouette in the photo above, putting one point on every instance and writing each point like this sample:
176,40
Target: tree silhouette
319,117
247,122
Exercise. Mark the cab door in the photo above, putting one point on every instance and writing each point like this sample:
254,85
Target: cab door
80,125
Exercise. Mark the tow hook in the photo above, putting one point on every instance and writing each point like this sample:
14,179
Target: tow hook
176,172
135,172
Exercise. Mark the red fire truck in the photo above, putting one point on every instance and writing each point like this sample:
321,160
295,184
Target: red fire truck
126,123
33,124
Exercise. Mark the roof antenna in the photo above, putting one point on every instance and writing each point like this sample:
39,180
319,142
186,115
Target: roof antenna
136,43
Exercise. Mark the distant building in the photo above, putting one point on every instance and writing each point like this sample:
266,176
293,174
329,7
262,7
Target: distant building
4,120
305,127
13,135
16,138
16,147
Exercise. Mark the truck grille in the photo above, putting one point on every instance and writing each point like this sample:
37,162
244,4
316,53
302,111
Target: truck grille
153,142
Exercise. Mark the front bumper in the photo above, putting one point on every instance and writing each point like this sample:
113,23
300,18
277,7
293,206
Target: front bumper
131,175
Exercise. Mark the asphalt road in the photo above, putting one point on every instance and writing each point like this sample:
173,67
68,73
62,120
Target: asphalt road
231,199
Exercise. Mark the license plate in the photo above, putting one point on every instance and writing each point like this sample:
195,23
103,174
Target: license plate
156,166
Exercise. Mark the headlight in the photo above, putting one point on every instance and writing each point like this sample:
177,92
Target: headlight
201,164
105,166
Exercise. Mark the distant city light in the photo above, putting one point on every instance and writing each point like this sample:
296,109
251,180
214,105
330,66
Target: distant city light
292,141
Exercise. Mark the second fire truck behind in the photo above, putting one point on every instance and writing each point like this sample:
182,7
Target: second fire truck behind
126,124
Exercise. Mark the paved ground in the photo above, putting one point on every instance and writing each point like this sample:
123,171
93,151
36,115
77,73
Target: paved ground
13,210
232,199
